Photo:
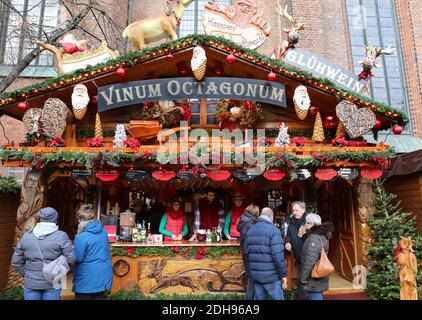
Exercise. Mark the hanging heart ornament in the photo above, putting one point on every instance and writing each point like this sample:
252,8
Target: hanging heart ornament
356,121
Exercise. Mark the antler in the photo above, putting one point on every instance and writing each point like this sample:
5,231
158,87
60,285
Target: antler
387,51
284,13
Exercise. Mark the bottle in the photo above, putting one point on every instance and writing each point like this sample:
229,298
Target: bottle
134,234
138,229
214,235
219,236
208,239
143,232
149,230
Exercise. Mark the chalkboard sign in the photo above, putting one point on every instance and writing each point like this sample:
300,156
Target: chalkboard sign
348,173
245,175
185,175
303,174
81,174
138,175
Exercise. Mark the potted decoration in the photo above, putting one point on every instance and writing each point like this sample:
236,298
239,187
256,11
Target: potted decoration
298,141
234,114
95,142
58,142
131,142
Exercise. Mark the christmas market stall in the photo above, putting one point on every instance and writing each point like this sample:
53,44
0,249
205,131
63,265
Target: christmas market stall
134,131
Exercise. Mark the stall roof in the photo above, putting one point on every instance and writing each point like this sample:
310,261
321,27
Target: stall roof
405,164
403,143
144,64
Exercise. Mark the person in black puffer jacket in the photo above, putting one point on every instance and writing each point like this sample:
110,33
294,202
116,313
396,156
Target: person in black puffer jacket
264,256
311,252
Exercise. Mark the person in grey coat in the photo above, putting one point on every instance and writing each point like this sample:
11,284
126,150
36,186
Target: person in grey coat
27,259
311,252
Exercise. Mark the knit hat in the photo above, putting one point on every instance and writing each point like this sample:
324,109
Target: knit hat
48,214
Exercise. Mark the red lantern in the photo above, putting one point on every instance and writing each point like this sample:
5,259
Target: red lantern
120,72
105,175
397,129
183,69
23,106
330,120
378,124
218,175
274,174
231,58
325,173
170,57
94,99
163,175
272,76
218,70
371,173
313,110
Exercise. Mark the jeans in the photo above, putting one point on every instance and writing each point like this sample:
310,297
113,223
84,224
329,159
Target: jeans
315,296
272,290
49,294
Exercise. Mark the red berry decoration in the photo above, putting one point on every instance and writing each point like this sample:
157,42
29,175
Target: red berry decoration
378,124
397,129
23,106
272,76
121,72
183,69
330,120
94,99
231,58
218,70
313,110
170,57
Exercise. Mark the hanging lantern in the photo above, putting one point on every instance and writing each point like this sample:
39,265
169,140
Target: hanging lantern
120,72
163,175
371,173
23,106
107,175
397,129
274,174
271,76
230,58
378,124
218,175
325,173
170,57
330,120
313,110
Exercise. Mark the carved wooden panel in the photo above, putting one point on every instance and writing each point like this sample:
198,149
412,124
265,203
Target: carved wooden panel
356,121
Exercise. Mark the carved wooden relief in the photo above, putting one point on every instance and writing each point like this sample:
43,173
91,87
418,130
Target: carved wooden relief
356,121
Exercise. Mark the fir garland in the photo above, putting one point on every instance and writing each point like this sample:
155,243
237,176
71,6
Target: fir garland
9,185
132,58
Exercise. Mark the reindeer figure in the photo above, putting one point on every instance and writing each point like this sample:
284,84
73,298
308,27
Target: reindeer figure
296,24
165,281
153,29
369,61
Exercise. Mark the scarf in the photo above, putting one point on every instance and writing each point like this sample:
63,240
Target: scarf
237,212
83,225
43,229
175,214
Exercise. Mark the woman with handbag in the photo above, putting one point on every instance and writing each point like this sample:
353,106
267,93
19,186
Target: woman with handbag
316,267
42,258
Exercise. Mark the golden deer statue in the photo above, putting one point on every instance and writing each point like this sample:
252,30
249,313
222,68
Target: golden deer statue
153,29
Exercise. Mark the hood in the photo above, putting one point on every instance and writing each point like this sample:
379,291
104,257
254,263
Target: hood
246,217
43,229
94,227
325,229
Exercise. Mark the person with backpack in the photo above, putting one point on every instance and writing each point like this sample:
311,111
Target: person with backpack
42,257
93,271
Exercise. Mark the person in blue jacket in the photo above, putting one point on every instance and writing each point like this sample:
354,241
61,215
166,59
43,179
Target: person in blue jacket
264,255
93,271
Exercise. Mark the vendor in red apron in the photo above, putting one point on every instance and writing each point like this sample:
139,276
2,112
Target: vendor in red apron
209,213
173,225
233,217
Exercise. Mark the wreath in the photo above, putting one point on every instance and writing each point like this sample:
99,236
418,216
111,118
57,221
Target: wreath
167,113
246,112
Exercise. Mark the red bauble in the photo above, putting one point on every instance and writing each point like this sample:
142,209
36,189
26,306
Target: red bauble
378,124
330,120
183,69
271,76
94,99
231,58
274,174
170,57
313,110
397,129
23,106
104,175
121,72
218,70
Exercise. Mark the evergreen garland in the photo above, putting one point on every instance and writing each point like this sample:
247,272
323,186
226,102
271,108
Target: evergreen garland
387,224
9,185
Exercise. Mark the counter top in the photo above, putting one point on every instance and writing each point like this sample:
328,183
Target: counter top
184,243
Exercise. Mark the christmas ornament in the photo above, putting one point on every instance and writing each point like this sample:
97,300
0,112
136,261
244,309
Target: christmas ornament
218,175
371,173
378,124
341,131
98,128
330,120
313,110
170,57
325,173
53,117
274,174
23,106
230,58
119,136
94,100
271,76
318,134
163,175
80,100
71,45
107,175
302,102
356,121
182,69
397,129
198,63
120,72
283,138
31,120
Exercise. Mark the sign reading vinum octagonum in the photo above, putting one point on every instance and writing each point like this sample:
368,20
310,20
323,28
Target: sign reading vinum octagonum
136,92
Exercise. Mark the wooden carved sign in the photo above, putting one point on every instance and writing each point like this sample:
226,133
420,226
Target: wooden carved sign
240,23
356,121
325,173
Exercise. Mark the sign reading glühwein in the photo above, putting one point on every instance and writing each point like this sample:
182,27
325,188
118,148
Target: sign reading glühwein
135,92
